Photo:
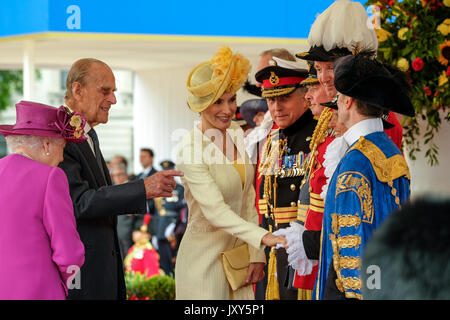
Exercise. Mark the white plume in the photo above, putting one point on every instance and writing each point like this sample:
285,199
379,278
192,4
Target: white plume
344,24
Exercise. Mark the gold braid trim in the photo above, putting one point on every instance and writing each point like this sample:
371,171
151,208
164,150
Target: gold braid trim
386,169
358,183
349,221
264,155
353,295
349,262
351,283
267,163
320,132
338,221
336,264
319,135
270,154
339,285
272,289
349,241
335,223
271,93
304,294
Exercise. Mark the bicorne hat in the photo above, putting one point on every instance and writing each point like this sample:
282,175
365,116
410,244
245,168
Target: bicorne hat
342,29
368,80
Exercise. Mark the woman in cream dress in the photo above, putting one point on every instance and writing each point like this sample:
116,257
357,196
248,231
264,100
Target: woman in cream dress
218,181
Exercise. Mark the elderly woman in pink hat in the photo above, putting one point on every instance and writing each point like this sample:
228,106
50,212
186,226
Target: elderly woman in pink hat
40,249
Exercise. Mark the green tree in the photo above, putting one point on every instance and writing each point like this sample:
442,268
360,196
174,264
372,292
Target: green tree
10,82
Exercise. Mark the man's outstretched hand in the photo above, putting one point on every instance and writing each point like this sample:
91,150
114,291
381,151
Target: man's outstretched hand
161,183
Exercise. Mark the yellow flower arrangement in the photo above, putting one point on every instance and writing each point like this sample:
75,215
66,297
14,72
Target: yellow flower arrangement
401,33
382,34
223,60
403,64
78,133
241,70
442,59
444,27
420,46
224,72
442,79
75,121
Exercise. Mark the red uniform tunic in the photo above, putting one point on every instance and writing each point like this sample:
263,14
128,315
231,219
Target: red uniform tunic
395,133
314,212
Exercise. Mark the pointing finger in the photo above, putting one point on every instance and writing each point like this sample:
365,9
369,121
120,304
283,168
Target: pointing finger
172,173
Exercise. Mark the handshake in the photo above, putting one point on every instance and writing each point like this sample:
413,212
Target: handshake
161,184
271,240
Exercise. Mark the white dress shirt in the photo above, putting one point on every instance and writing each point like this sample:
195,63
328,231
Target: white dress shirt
88,128
338,147
146,171
362,128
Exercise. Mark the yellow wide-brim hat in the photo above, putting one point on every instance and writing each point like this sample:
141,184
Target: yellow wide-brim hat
208,81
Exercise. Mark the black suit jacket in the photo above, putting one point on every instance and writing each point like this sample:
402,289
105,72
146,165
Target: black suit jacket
96,205
150,205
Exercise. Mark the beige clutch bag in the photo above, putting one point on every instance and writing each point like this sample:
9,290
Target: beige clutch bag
235,264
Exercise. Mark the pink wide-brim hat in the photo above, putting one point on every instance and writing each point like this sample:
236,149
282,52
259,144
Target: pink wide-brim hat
39,119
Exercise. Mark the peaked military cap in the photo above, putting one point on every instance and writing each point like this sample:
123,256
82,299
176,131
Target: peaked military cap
280,80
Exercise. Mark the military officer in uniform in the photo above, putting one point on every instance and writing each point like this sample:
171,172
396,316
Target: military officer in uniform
166,218
310,204
282,160
326,46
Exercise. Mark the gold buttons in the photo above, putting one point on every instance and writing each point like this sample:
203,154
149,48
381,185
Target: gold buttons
293,204
293,187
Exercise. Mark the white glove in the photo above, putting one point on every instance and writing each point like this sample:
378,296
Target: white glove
297,258
280,232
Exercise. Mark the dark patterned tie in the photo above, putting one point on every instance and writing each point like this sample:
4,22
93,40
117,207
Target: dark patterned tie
97,152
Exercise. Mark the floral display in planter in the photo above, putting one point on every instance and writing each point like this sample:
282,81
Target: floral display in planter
414,36
157,287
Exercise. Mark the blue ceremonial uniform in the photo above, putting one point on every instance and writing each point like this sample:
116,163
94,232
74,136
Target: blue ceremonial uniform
370,182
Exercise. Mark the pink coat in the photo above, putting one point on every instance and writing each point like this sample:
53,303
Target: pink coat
38,236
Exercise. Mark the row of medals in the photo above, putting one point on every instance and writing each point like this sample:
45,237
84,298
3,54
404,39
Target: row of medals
291,166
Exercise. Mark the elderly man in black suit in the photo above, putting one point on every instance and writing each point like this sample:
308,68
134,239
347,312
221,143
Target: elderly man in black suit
97,203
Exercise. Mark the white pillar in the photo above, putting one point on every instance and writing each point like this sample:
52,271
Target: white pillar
28,69
161,115
425,179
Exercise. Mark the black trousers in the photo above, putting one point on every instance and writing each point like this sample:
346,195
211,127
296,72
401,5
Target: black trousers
165,256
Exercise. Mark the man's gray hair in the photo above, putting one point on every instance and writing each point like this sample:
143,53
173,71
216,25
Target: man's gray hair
302,91
79,72
279,53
